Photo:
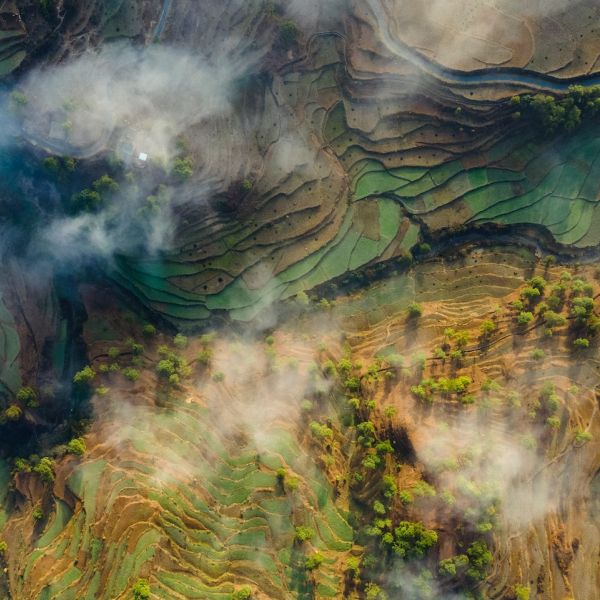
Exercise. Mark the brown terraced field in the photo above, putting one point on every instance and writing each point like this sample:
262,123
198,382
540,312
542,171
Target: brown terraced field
365,362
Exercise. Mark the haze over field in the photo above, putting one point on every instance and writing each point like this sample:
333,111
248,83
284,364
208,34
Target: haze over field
299,300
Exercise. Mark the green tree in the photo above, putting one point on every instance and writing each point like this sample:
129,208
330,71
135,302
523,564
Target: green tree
414,310
183,168
84,377
303,534
180,341
412,540
141,590
13,412
314,561
105,185
288,33
76,446
45,469
480,559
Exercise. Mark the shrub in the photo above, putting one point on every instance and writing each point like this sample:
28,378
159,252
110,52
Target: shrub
28,397
288,33
581,343
538,354
3,547
302,299
352,384
374,592
166,367
378,507
522,592
530,293
423,489
180,341
13,412
88,199
538,283
529,442
183,168
371,461
314,561
149,330
136,349
141,590
450,567
487,327
303,534
321,432
84,377
366,433
76,446
131,374
517,305
390,489
553,319
461,338
582,436
22,465
205,356
37,514
45,469
105,185
243,593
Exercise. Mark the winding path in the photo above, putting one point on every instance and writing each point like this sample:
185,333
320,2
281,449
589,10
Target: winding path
490,76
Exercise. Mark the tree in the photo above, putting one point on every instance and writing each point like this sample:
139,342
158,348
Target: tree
412,540
524,318
243,593
106,185
581,343
45,469
539,283
183,168
487,328
141,590
414,310
76,446
553,319
288,33
180,341
451,567
321,432
88,199
149,330
480,558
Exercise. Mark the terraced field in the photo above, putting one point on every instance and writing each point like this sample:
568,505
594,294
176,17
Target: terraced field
423,423
184,488
368,174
